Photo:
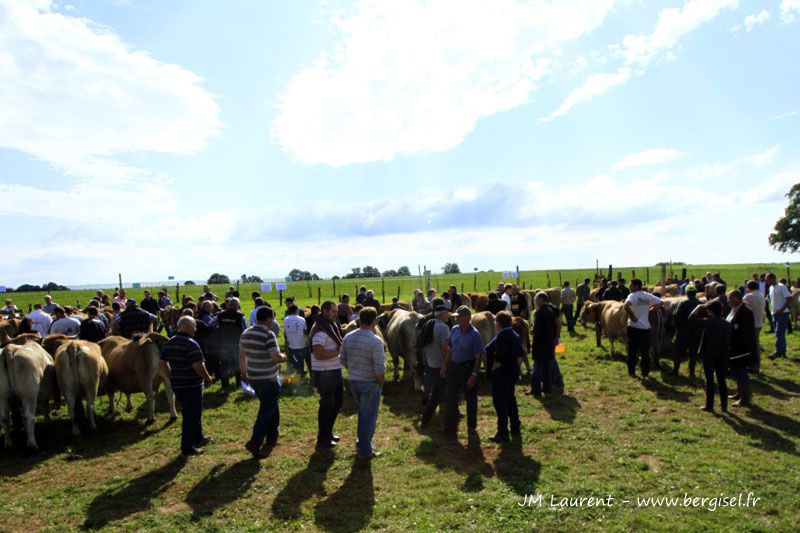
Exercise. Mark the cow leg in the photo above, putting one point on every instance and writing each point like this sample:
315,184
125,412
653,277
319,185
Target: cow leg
70,397
396,363
112,405
5,419
129,406
173,413
598,330
411,366
151,402
91,396
29,418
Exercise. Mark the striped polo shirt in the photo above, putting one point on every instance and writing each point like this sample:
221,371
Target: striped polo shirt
362,355
181,352
259,343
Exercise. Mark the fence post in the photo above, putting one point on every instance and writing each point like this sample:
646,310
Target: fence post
334,287
647,272
319,295
475,283
383,289
177,294
308,284
398,292
280,299
488,286
462,288
560,280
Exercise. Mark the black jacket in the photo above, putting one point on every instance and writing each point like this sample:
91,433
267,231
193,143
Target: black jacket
506,349
150,305
715,338
92,330
612,293
495,306
743,338
544,334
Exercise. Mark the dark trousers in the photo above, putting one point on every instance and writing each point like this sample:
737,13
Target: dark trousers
192,417
437,393
567,308
638,345
685,346
716,367
505,404
330,387
578,308
269,414
457,376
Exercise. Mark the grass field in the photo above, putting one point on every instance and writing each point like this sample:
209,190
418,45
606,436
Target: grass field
606,435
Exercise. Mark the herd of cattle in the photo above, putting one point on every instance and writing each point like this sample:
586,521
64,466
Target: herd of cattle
36,372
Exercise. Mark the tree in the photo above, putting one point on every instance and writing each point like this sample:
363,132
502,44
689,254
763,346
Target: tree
371,272
336,278
50,287
389,273
25,287
299,275
403,271
218,278
189,282
787,229
250,279
451,268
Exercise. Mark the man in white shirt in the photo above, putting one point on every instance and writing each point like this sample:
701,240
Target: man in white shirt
506,297
754,299
779,299
637,307
63,324
9,309
49,306
567,302
294,332
40,321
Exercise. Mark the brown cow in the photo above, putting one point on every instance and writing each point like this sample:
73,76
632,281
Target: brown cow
477,301
134,366
523,329
610,316
484,323
81,371
399,329
401,304
27,373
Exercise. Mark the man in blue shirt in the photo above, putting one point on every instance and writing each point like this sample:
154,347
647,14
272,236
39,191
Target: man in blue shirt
460,369
503,356
182,360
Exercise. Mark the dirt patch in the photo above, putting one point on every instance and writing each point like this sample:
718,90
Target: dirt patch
177,507
652,462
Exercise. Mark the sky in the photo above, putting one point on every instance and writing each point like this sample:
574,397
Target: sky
183,138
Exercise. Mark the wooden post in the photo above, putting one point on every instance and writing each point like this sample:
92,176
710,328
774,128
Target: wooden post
462,288
177,300
488,286
647,272
633,274
398,292
560,280
120,281
610,272
683,273
319,295
280,299
548,280
421,285
383,289
436,278
663,276
308,283
334,286
475,282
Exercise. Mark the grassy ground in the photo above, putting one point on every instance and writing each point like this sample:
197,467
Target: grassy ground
605,435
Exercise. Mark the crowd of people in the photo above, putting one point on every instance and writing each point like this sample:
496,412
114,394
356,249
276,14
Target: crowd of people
721,332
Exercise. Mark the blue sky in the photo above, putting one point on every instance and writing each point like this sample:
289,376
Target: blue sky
184,138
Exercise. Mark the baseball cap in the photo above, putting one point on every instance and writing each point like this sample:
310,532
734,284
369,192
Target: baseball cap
130,301
463,311
691,288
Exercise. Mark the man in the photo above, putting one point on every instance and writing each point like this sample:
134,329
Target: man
455,298
722,298
625,291
362,295
344,311
134,321
754,299
231,293
206,313
743,347
71,313
779,298
259,363
326,373
435,353
207,294
613,292
163,299
49,306
150,304
290,302
370,301
363,356
506,296
602,289
258,302
503,355
182,360
231,324
121,299
40,321
714,349
294,333
9,309
637,307
545,338
92,329
582,292
685,335
63,324
495,304
519,304
460,369
567,299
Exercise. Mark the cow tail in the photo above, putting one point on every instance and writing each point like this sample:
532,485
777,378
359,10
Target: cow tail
72,351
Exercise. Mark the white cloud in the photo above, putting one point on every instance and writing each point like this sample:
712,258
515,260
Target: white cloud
72,93
764,158
639,51
789,9
653,156
792,113
752,20
414,77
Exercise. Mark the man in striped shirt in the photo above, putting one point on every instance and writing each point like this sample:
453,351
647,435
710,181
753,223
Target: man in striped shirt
259,362
182,361
363,356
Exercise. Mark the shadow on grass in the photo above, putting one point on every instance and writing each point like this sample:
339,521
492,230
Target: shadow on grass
792,388
448,454
221,486
767,438
350,508
517,470
665,391
303,485
782,423
132,497
562,408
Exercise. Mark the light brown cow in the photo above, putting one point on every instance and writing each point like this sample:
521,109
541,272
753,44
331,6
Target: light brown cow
354,325
399,329
611,317
134,366
484,323
81,371
401,304
27,373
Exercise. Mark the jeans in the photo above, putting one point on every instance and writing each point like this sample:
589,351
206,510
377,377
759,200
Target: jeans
542,378
638,344
437,393
456,381
567,308
330,386
505,405
758,348
191,400
427,379
298,357
716,367
367,395
269,415
780,322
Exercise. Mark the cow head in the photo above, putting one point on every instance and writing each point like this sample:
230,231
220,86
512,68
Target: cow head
383,321
155,339
590,312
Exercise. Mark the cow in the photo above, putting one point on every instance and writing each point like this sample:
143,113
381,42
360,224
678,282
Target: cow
27,374
611,318
478,301
401,304
523,329
399,329
81,371
134,366
484,323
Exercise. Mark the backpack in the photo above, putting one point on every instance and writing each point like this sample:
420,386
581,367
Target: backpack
426,326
